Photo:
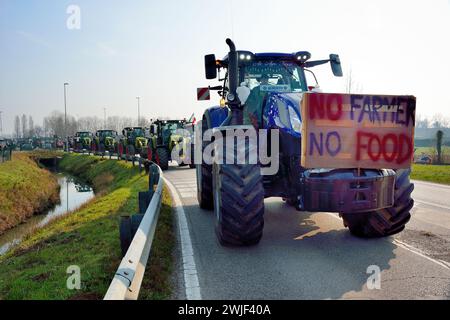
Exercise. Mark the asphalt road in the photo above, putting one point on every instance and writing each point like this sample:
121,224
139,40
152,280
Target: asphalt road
311,255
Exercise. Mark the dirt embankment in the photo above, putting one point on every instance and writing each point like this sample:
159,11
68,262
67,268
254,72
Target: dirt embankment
25,190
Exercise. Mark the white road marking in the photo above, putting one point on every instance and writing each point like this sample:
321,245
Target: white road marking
431,184
432,204
420,253
191,283
406,247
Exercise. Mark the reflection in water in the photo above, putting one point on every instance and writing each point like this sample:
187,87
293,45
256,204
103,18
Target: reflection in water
73,194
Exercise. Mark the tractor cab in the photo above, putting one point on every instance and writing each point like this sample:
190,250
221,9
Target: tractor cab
83,134
165,129
133,132
261,76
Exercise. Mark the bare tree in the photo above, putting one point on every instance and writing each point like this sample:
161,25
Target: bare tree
351,85
54,124
17,126
24,126
39,131
439,121
30,126
422,122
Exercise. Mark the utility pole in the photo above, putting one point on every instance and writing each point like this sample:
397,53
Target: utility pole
104,116
65,117
139,110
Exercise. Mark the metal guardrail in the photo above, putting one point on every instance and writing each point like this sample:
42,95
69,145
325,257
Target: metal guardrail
128,278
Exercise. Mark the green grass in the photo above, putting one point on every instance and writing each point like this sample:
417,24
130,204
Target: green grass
89,238
25,189
431,173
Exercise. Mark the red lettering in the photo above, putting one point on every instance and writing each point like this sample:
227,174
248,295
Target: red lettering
316,103
394,152
359,145
333,103
377,147
374,157
336,115
403,141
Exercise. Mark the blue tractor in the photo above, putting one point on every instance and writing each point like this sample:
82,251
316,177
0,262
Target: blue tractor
236,190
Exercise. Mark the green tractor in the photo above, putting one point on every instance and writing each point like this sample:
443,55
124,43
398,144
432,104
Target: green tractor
104,141
134,141
166,136
46,143
26,144
83,140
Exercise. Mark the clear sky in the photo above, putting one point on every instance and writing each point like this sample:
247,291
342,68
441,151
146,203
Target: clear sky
155,49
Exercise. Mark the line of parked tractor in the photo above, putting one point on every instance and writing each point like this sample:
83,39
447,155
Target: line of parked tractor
154,143
28,144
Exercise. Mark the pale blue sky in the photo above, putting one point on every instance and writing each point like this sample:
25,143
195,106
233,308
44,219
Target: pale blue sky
154,49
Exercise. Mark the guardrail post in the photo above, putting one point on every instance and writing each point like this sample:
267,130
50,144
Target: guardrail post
144,200
136,236
153,177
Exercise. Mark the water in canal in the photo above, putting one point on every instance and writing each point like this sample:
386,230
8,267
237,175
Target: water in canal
73,194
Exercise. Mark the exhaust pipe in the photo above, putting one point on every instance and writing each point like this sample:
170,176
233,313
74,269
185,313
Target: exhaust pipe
233,74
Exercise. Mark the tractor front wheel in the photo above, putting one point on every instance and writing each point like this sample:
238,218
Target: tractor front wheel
238,203
163,156
101,149
388,221
131,151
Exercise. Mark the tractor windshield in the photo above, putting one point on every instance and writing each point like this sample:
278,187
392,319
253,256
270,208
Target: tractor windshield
107,133
138,132
172,127
83,134
273,76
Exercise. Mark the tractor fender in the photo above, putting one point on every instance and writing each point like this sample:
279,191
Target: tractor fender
215,116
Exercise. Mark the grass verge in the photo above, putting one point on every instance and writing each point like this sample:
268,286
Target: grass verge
89,238
431,173
25,189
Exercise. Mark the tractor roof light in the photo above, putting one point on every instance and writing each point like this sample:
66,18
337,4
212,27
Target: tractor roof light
302,56
245,56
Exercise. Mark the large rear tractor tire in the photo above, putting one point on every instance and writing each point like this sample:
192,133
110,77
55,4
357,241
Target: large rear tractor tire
238,203
163,156
204,179
191,163
389,221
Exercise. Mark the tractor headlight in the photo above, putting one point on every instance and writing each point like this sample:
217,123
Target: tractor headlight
296,123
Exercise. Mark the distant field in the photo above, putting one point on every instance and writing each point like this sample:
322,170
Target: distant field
430,150
431,173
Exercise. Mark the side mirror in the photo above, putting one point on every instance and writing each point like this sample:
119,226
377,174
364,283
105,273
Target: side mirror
210,66
336,65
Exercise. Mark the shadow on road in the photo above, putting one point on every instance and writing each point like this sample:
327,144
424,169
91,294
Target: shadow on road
301,256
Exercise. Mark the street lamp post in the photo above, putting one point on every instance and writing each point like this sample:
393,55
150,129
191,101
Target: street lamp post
65,116
139,110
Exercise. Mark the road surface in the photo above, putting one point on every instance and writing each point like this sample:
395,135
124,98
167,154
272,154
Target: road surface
311,255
